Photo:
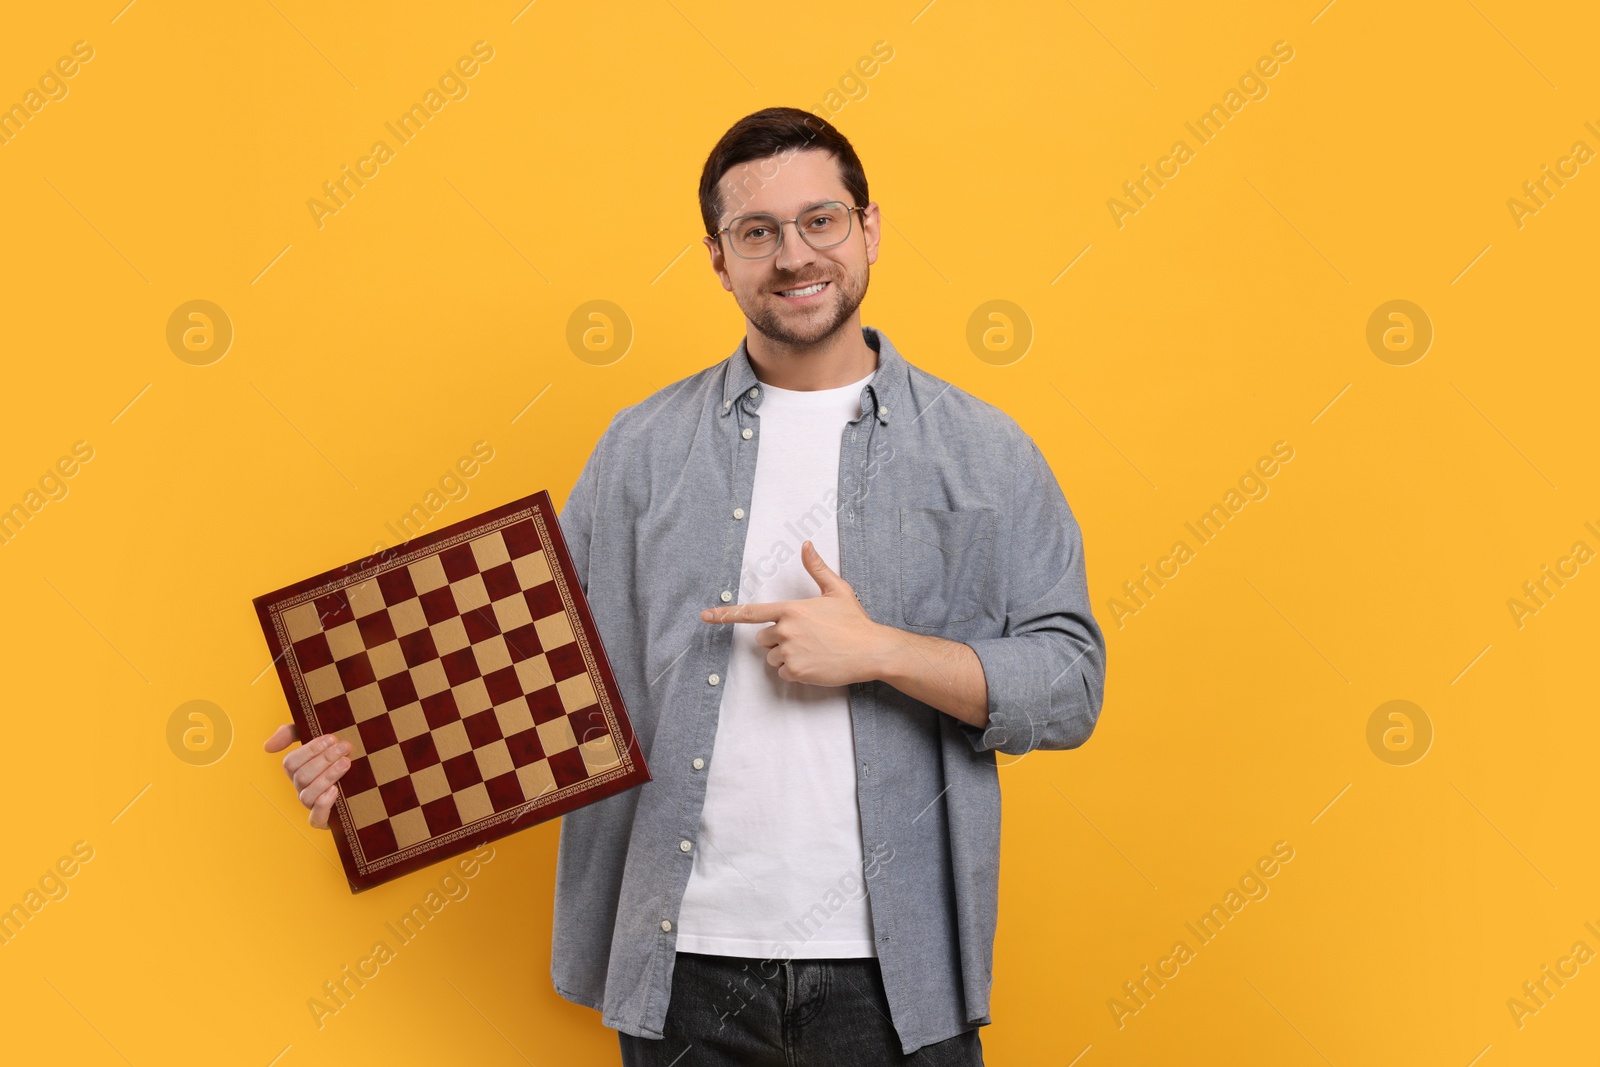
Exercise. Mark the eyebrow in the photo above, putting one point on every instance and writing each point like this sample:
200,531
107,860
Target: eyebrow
805,208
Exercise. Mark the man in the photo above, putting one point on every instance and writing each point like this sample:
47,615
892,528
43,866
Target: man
831,586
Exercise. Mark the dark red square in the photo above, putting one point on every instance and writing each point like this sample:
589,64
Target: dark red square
525,748
462,771
568,768
501,582
334,609
418,648
523,643
396,586
438,605
398,690
459,562
566,661
399,795
505,791
480,624
377,840
359,778
544,600
440,709
377,733
504,686
442,815
419,752
313,652
482,728
545,704
376,629
356,672
460,666
589,724
335,714
521,538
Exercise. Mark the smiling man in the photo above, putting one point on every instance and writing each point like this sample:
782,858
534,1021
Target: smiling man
831,587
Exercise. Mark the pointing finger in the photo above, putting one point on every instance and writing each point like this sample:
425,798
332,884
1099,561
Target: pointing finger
745,613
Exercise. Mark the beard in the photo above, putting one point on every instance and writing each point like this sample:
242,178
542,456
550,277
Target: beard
810,326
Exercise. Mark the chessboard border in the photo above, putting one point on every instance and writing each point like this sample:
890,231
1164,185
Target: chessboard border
630,770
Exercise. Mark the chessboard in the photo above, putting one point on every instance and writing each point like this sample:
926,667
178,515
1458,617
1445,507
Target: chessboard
465,670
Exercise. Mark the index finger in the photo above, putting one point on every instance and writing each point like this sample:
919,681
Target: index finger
746,612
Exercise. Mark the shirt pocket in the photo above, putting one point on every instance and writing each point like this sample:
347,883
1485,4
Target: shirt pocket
946,558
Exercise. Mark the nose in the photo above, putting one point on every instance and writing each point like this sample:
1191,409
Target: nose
793,252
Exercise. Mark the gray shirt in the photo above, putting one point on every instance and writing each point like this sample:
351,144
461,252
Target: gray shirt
951,524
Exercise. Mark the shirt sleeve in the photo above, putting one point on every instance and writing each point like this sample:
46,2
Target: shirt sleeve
1046,674
578,512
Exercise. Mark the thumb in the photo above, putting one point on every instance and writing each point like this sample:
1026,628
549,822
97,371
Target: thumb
826,579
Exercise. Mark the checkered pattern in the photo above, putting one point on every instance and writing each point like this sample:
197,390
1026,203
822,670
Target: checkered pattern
458,682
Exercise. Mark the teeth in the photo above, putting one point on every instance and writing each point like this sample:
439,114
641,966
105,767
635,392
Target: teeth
807,291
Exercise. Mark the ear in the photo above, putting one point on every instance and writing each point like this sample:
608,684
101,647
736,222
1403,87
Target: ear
719,264
871,228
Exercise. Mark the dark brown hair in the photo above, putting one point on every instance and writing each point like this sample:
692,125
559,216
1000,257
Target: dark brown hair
769,132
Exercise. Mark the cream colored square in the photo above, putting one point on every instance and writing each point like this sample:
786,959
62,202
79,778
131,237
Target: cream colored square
473,803
554,631
366,702
367,808
409,722
556,736
407,617
430,783
472,697
492,655
490,551
410,827
599,754
345,641
576,692
495,760
469,593
535,674
302,621
513,717
427,574
451,740
429,678
511,612
532,569
450,636
365,598
352,737
386,659
536,779
323,683
388,765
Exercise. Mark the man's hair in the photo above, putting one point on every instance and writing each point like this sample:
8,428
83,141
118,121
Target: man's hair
779,131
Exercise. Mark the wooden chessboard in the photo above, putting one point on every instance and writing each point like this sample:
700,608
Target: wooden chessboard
466,672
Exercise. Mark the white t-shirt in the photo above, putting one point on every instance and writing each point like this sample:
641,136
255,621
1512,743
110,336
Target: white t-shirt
778,860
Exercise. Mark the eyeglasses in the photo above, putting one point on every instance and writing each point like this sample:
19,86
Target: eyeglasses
759,236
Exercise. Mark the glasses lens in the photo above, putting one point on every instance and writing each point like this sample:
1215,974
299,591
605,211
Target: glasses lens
826,225
754,236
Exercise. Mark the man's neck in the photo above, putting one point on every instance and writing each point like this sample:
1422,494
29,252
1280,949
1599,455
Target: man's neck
839,359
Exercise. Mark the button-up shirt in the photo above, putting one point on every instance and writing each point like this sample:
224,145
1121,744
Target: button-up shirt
951,524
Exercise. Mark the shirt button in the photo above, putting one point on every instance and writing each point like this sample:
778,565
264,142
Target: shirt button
714,679
726,596
738,513
754,392
884,409
699,763
727,403
666,924
684,846
748,433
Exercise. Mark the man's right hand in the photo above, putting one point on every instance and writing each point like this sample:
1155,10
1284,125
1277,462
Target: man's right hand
315,769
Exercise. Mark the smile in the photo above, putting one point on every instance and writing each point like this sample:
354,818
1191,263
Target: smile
804,294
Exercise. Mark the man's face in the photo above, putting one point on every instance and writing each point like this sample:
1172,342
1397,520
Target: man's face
785,186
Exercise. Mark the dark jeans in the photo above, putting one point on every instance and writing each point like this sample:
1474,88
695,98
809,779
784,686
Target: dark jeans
741,1012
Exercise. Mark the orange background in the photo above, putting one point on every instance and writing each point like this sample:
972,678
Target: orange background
1167,355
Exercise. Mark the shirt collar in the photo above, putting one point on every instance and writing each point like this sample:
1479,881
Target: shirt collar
878,396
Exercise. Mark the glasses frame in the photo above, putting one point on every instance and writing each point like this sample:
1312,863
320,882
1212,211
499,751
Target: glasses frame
781,223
